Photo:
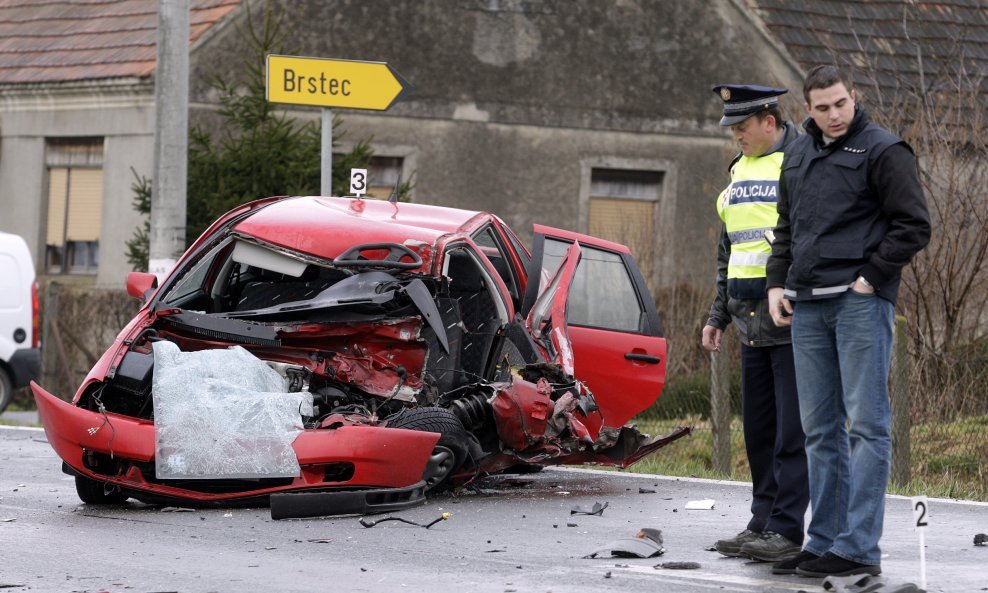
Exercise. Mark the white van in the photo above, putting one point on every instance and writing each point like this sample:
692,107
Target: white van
20,357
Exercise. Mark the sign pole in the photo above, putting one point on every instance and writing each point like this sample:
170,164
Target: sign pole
326,168
326,83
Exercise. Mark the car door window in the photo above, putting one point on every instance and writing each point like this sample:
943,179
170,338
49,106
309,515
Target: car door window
493,249
603,292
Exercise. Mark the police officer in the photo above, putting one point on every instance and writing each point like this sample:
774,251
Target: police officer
770,409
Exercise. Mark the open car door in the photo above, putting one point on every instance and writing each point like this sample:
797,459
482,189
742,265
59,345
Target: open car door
610,320
547,319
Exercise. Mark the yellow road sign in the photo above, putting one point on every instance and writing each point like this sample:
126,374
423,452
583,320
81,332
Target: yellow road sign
333,83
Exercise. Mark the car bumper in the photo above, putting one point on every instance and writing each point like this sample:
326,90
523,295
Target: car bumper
380,457
26,365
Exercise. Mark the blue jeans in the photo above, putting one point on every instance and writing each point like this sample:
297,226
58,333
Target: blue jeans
842,348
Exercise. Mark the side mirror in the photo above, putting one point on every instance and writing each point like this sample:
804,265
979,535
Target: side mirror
141,285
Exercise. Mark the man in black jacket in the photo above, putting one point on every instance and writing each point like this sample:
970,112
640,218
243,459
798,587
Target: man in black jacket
851,215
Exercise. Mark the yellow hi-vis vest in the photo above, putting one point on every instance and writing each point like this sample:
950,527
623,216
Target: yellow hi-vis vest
748,208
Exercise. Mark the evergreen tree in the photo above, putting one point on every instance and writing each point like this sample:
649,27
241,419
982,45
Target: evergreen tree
256,153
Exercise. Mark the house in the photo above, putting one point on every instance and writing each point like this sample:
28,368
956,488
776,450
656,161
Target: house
76,117
589,115
593,116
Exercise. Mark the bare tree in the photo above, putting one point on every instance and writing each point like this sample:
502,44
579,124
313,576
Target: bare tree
939,107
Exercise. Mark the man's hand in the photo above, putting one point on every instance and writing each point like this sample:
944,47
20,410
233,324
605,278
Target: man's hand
779,306
861,286
711,337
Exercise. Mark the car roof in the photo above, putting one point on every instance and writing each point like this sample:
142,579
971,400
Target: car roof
325,227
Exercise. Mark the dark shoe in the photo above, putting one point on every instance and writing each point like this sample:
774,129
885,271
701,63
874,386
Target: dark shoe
770,547
732,546
789,565
833,565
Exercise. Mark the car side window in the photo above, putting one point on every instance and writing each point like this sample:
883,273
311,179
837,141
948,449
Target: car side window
493,249
603,292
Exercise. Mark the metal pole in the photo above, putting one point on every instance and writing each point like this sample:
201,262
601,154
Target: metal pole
171,137
326,184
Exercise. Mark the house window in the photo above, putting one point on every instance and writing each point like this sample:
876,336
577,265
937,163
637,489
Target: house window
383,173
75,205
622,209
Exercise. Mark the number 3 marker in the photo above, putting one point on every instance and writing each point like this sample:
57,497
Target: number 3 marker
358,182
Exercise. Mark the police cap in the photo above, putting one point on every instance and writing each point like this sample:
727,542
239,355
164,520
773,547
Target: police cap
741,101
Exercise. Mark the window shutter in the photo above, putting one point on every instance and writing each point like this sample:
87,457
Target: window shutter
85,204
57,182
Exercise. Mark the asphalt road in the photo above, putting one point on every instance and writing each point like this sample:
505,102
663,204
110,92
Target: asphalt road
516,535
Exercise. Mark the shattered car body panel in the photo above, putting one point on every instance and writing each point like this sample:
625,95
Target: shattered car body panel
432,346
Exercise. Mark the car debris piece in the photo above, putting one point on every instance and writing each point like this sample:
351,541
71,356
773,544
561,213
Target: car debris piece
700,505
596,509
372,522
300,505
646,491
647,543
678,565
981,539
866,584
176,510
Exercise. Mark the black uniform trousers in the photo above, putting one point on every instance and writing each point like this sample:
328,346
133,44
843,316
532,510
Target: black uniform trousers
774,440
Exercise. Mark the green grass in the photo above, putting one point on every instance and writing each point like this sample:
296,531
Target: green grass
949,460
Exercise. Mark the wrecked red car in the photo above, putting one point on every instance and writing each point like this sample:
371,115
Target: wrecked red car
339,355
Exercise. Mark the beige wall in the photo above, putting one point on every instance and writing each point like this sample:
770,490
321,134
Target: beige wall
122,115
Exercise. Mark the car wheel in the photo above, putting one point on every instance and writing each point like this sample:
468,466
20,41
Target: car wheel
93,492
6,390
451,450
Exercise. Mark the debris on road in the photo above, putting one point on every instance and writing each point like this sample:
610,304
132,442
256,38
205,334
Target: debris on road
647,543
177,510
678,565
700,505
981,539
866,584
646,491
596,509
372,522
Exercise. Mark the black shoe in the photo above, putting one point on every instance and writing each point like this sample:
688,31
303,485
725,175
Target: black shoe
732,546
833,565
788,566
770,547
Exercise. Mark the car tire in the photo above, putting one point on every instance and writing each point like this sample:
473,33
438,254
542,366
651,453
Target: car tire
92,492
6,390
451,450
